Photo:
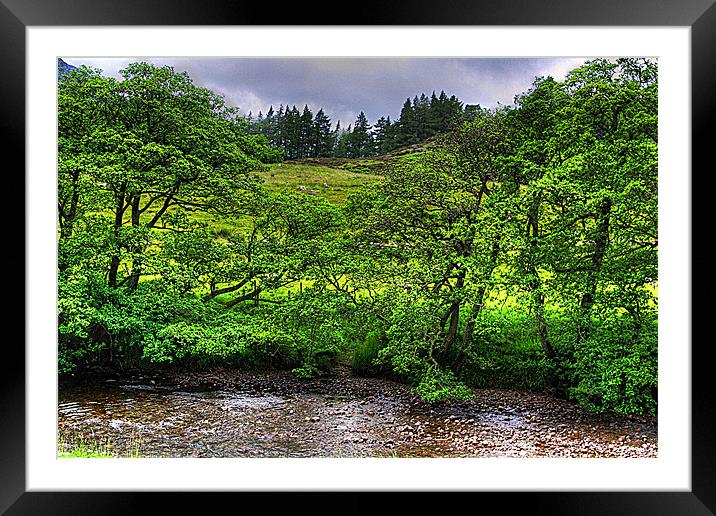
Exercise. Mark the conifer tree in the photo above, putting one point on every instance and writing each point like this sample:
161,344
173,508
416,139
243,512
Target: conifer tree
408,129
383,137
362,144
343,142
306,139
324,138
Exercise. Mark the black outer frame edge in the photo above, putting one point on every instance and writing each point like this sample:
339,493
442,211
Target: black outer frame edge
697,14
703,112
371,12
12,144
361,503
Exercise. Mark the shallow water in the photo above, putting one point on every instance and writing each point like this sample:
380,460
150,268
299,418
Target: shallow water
275,415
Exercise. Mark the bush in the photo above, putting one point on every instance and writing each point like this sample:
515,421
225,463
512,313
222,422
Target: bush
317,320
365,354
616,369
103,326
505,353
436,385
412,339
235,340
503,366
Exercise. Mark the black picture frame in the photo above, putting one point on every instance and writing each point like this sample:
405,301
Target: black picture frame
699,15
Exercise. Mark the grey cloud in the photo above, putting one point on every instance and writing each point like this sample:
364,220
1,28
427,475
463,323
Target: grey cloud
346,86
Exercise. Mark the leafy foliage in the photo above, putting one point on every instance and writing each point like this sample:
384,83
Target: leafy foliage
518,250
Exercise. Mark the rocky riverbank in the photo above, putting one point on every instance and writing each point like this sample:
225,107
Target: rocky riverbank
248,414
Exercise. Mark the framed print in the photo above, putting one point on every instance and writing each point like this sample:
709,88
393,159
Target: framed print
193,237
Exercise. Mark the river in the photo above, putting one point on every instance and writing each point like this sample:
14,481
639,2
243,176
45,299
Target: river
273,414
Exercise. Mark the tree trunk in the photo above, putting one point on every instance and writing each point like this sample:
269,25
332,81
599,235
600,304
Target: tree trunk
118,216
67,217
535,283
541,322
475,310
601,241
469,330
454,314
136,249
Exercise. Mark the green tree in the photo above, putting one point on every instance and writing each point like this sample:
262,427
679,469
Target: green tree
585,161
324,137
436,217
134,155
407,125
344,143
307,134
384,137
361,139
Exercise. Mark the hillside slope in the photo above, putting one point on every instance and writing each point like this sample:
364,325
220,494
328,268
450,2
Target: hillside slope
377,164
313,177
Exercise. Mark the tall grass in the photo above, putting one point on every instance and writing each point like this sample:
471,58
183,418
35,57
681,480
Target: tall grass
104,449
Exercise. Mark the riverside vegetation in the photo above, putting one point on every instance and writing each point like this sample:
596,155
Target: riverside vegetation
518,249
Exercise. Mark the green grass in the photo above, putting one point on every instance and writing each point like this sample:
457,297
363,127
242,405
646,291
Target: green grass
288,177
85,454
94,450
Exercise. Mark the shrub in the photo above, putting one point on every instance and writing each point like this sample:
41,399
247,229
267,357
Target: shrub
237,340
436,385
365,354
317,320
616,369
412,338
503,366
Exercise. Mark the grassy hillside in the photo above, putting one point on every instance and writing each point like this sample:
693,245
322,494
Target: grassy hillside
331,183
376,165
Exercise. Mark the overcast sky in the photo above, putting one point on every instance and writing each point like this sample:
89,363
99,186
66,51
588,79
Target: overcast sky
346,86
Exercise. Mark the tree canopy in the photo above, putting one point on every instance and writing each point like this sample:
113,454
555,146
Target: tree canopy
520,249
301,135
